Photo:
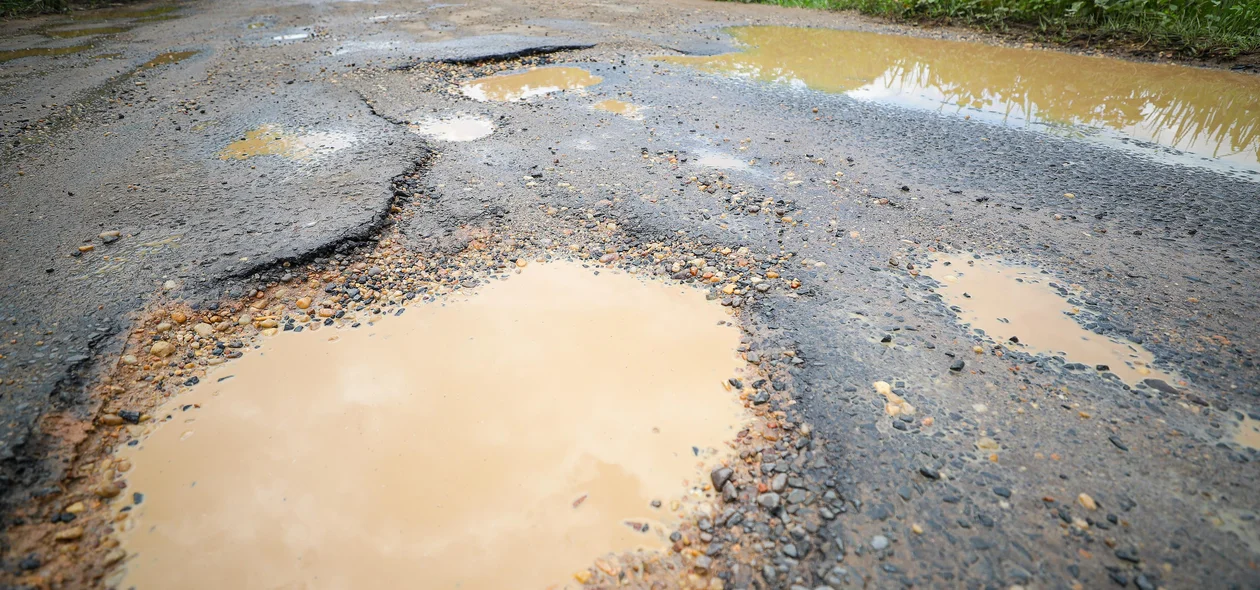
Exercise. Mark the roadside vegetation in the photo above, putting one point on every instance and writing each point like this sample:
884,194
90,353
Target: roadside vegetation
11,8
1194,27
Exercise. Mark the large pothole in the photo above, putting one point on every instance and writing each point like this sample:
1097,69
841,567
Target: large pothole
502,439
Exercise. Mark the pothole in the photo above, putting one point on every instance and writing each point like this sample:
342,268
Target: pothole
534,82
1207,112
502,439
457,128
170,57
720,161
620,107
1248,433
12,54
84,32
273,140
1020,308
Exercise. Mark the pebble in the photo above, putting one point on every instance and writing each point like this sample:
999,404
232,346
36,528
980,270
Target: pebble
203,329
1087,502
162,349
879,542
69,534
303,303
768,500
109,237
720,476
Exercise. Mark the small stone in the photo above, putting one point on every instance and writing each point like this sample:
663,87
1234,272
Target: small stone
114,556
929,473
76,508
163,327
179,317
720,476
769,501
957,365
1087,501
203,329
779,482
106,490
879,542
69,534
130,359
87,248
109,237
303,303
161,348
916,529
111,420
30,562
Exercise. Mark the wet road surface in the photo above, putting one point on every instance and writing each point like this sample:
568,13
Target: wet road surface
205,154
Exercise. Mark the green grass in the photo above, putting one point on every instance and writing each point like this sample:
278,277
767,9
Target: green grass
1195,27
12,8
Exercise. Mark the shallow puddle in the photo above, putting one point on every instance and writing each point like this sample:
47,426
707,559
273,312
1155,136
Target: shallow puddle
1010,301
535,82
620,107
84,32
170,57
123,13
13,54
272,140
721,161
1248,434
460,128
500,440
1207,112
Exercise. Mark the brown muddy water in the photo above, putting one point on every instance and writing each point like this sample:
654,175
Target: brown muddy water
12,54
273,140
534,82
504,439
84,32
1212,114
457,128
1012,301
620,107
170,57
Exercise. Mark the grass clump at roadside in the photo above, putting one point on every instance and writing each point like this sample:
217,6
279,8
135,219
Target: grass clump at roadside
12,8
1197,27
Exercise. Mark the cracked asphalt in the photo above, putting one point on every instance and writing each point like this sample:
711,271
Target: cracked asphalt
1167,255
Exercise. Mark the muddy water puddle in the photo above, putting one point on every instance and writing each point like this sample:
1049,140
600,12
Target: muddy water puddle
1248,433
274,140
1018,307
620,107
84,32
1212,114
170,57
457,128
534,82
12,54
500,440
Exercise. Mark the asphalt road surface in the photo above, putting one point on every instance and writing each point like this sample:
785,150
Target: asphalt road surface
1165,254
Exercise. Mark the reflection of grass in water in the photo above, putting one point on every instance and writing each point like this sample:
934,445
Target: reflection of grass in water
1217,27
1210,110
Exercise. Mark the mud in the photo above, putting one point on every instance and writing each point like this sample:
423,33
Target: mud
535,82
1023,309
1210,113
548,410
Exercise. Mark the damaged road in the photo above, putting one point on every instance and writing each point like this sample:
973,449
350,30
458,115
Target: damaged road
277,142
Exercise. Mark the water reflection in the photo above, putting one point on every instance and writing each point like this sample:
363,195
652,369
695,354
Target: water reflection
1211,113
